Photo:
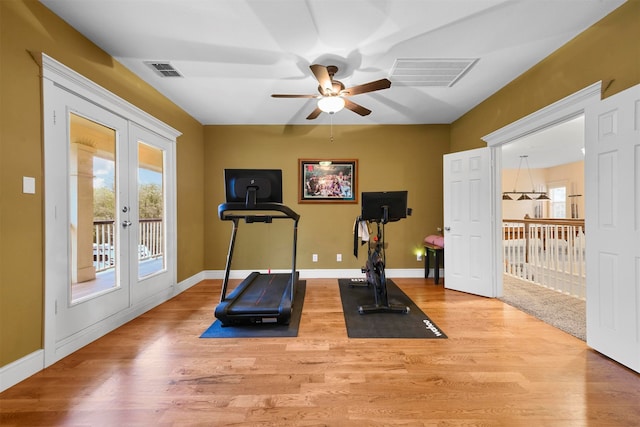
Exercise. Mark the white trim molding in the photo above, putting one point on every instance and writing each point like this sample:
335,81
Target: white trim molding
81,86
558,112
21,369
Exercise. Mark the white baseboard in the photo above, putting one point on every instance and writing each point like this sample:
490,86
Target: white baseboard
187,283
23,368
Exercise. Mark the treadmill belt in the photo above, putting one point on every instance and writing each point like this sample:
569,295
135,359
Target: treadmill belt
264,293
260,298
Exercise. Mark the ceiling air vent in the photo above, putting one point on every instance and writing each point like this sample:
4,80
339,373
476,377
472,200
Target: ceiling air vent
163,69
429,72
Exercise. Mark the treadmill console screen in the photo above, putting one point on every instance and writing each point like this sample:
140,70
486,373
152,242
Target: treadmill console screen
253,186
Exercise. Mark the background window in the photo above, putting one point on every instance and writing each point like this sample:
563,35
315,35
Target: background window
558,196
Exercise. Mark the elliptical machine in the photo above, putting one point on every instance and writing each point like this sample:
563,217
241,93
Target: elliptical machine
381,208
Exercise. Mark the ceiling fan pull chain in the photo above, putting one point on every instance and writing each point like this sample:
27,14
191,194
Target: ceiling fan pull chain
331,119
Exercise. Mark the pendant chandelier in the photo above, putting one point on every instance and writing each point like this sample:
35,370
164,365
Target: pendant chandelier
524,195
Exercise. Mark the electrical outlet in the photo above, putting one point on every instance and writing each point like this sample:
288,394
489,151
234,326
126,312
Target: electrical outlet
314,257
339,257
419,256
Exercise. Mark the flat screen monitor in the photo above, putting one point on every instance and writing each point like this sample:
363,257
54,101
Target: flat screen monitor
252,186
385,206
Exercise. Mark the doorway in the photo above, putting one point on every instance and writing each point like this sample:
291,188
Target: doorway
563,111
543,208
110,211
543,238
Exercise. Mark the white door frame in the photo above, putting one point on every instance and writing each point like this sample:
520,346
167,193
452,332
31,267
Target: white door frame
558,112
55,74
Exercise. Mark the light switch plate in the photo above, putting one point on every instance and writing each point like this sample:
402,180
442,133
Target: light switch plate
28,185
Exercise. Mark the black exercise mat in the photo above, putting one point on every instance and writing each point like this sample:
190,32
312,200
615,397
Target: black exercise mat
264,330
415,324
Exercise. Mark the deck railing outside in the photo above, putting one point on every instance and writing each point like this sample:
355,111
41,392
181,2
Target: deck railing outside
549,252
150,242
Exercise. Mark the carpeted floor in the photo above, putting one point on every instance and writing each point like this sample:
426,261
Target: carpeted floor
562,311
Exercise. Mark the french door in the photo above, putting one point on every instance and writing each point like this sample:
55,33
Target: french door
109,219
613,226
87,185
150,213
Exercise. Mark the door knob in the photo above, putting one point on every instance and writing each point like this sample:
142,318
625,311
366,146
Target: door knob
447,229
126,224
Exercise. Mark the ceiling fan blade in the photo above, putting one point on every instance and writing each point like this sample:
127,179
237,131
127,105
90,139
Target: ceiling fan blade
367,87
322,75
280,95
359,109
314,114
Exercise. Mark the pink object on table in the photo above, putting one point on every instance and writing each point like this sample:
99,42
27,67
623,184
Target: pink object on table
435,239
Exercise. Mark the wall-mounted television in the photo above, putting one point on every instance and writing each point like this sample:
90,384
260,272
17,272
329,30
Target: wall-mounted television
384,206
251,186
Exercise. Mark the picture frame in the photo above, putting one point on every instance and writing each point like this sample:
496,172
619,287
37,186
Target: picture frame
328,181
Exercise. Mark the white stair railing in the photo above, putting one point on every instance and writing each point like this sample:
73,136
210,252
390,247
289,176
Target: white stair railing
548,252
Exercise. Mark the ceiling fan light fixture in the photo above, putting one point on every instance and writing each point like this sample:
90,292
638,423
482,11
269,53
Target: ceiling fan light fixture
331,104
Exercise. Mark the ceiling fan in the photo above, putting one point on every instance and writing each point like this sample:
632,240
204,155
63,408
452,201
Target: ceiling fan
333,95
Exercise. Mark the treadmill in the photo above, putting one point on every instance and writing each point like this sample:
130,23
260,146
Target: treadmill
260,298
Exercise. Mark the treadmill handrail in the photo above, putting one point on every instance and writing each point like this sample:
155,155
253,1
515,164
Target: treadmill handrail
239,206
287,212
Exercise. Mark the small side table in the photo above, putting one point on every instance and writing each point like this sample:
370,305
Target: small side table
438,253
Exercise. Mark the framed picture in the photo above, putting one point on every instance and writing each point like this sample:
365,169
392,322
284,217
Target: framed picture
328,181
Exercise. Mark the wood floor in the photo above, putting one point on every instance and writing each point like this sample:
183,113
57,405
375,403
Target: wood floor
499,367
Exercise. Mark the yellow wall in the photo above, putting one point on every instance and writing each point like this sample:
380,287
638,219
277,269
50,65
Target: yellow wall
608,50
570,175
389,158
516,209
28,26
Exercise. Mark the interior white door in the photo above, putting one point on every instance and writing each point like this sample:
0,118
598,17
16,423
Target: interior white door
468,214
612,159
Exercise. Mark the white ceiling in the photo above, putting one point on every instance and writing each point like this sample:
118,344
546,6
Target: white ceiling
233,54
557,145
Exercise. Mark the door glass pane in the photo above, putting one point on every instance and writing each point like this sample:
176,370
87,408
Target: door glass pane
151,247
92,198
